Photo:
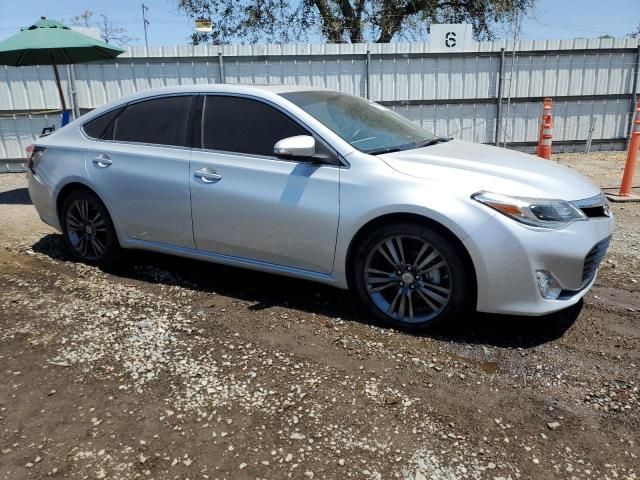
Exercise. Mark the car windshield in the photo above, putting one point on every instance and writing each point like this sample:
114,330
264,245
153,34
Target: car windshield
366,125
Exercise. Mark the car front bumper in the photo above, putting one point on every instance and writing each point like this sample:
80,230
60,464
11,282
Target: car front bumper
507,254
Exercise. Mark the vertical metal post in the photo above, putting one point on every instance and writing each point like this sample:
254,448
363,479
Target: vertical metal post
70,92
500,93
634,95
73,91
221,66
145,24
513,63
587,148
368,75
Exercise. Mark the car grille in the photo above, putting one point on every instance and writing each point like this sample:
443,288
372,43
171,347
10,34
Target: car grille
593,259
594,207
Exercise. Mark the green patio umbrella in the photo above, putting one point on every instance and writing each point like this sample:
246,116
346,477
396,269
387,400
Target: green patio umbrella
48,42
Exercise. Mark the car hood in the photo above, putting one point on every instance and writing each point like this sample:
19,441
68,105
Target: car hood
471,167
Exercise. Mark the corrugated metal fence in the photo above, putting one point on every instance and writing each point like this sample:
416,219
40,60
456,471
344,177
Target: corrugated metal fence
489,94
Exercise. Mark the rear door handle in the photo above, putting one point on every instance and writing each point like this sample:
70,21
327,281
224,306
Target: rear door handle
102,161
207,176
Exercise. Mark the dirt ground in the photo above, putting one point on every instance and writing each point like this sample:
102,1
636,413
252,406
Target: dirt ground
173,369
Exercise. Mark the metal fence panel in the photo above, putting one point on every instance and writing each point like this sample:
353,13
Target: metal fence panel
453,94
18,132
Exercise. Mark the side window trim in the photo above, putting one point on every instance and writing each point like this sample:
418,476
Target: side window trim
199,145
124,106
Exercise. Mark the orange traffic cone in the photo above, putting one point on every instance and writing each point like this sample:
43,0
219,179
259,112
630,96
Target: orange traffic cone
632,156
545,136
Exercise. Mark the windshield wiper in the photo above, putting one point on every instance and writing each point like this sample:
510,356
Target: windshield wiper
433,141
384,150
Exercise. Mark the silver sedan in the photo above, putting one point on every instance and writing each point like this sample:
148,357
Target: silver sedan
328,187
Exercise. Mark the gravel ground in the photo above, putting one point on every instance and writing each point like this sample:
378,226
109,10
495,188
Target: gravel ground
167,368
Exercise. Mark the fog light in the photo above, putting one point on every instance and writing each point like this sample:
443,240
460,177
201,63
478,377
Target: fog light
548,285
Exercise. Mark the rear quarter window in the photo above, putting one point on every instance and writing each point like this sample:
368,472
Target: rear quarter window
101,127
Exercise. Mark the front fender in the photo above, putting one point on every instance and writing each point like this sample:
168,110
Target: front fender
369,197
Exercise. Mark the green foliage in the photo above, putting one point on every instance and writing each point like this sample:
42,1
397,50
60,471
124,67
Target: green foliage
342,21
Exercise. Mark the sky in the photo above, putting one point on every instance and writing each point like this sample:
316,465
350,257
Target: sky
552,19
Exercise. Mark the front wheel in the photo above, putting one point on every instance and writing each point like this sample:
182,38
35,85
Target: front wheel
87,228
411,277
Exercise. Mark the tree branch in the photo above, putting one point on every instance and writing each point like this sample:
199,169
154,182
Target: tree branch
393,15
344,20
331,25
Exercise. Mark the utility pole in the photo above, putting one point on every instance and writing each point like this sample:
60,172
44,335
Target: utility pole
145,22
516,34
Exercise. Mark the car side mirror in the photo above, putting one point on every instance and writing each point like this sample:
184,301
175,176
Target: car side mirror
300,147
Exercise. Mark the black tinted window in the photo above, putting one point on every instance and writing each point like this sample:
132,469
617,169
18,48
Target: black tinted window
243,125
97,128
161,121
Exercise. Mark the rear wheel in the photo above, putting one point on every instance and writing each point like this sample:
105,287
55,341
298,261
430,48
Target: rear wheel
87,228
411,277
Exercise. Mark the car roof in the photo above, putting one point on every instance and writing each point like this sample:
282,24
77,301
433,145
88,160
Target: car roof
283,88
225,88
264,91
267,92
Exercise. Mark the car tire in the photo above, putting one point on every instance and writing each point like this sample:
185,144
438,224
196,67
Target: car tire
88,230
411,277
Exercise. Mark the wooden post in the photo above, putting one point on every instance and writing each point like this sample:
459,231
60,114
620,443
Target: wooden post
55,71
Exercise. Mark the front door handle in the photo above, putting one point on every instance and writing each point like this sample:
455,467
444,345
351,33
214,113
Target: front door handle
207,176
102,161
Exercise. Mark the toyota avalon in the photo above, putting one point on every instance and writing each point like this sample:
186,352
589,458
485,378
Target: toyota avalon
328,187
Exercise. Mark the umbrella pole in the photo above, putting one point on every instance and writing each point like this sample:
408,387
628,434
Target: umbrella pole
55,71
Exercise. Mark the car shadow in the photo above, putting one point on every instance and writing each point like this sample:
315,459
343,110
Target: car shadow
17,196
265,291
509,331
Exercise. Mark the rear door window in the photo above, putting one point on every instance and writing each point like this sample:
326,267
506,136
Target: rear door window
244,125
160,121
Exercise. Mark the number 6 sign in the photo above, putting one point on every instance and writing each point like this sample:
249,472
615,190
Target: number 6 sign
451,38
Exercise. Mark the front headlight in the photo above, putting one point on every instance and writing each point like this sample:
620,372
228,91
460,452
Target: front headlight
537,212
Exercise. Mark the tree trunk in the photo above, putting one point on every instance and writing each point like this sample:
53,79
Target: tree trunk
392,15
352,19
331,25
391,18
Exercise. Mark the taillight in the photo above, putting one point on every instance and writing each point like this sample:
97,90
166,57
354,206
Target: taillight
34,153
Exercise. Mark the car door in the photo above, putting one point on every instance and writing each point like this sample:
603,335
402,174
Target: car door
140,166
247,203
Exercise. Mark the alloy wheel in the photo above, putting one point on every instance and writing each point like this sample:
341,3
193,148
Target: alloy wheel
86,229
408,279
